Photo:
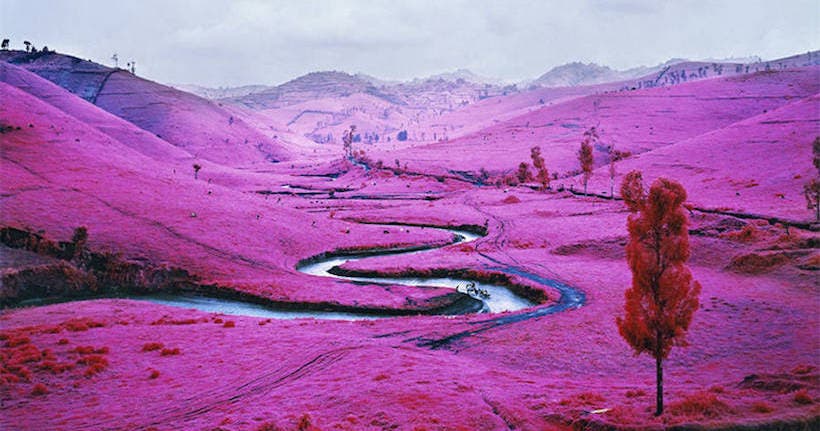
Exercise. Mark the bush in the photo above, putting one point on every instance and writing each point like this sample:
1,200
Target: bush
39,389
511,199
762,407
268,426
699,404
96,364
81,324
86,350
150,347
635,393
17,341
169,352
55,367
802,397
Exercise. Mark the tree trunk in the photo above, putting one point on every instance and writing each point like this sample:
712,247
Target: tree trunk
659,380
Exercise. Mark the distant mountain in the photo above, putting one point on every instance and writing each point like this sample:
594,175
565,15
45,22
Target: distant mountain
575,74
680,72
463,75
315,85
221,92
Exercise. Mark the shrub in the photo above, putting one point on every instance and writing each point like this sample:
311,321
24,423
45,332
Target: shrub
229,324
169,352
635,393
583,399
802,397
85,350
748,233
150,347
166,321
762,407
268,426
25,353
803,369
39,389
511,199
305,424
699,404
55,367
81,324
154,374
95,363
18,340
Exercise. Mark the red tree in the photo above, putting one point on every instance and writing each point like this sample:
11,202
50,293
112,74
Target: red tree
663,297
585,154
812,190
347,141
523,173
542,174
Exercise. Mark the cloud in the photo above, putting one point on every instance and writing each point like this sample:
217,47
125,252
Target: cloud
225,42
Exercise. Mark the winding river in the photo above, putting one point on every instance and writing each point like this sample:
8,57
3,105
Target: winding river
500,298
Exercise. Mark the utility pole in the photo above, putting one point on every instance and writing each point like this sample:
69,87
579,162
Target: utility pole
116,60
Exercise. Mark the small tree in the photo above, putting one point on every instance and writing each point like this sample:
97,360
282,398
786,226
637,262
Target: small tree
523,173
585,154
614,156
78,241
541,170
812,190
4,45
197,167
28,45
347,141
612,173
663,297
812,193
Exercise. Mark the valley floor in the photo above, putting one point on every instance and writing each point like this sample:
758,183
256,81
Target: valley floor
123,364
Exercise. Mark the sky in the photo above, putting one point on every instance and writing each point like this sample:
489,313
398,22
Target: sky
229,43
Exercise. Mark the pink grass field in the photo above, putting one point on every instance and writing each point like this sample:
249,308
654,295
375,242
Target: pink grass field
261,204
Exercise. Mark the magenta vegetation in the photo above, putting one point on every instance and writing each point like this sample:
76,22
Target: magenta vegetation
115,187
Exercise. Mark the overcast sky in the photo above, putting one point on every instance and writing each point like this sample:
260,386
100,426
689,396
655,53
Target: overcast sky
227,43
